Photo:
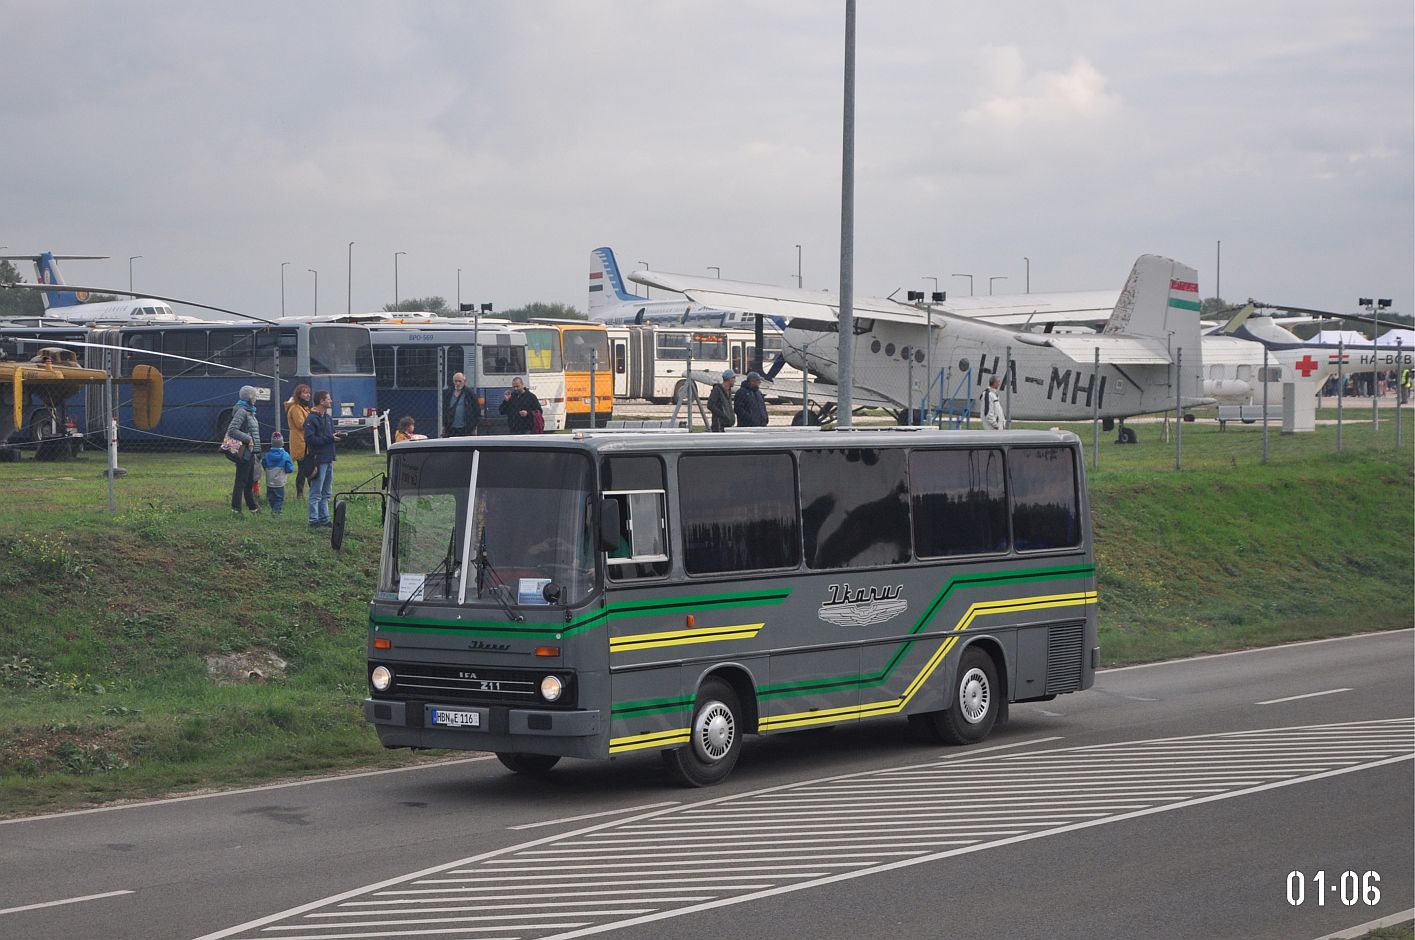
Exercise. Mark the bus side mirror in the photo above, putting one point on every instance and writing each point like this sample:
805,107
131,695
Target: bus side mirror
609,524
336,531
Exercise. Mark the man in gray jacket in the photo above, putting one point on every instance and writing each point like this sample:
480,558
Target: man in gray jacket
720,402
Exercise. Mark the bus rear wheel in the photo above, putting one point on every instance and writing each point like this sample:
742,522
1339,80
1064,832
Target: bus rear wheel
715,738
532,764
971,715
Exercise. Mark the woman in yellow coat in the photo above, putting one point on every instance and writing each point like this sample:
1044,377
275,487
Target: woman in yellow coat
297,409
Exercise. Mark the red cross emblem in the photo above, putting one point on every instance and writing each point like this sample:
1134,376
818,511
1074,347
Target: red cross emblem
1306,365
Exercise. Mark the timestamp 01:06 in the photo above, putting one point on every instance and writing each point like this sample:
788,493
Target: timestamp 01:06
1349,887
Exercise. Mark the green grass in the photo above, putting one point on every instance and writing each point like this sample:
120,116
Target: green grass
110,619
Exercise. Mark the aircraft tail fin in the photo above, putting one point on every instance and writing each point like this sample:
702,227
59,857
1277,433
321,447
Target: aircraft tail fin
46,271
1161,302
606,284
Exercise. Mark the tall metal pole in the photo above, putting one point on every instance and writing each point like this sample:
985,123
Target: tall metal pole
1218,268
395,277
1340,386
1029,273
799,282
283,266
476,361
1096,412
995,277
594,367
349,301
929,354
1178,407
459,290
1265,404
110,425
1007,389
846,358
316,289
970,282
1399,389
130,270
1375,331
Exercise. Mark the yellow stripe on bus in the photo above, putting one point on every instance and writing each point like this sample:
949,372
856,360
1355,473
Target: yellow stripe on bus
644,641
892,706
636,742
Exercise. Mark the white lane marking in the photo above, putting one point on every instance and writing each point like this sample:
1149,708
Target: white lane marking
933,857
1293,698
86,897
261,789
1259,649
1360,930
610,812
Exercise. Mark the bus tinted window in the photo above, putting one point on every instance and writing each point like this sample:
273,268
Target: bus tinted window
586,347
145,342
960,502
234,349
289,351
744,527
383,359
455,358
671,345
503,360
1044,506
190,344
543,350
854,508
417,367
340,349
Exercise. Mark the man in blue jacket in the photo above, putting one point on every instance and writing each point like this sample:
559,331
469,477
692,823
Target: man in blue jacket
749,403
320,439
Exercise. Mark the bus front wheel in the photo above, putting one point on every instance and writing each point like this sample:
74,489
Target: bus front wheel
972,713
715,738
527,763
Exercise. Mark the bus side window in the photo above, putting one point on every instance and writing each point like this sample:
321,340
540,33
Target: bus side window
637,485
738,512
960,501
1045,511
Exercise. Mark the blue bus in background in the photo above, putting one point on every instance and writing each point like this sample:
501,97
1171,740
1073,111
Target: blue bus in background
200,389
414,364
199,395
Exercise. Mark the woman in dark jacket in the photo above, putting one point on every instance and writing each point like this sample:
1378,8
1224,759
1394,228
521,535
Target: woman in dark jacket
520,408
245,428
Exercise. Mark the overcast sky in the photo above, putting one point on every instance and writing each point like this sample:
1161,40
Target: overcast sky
509,138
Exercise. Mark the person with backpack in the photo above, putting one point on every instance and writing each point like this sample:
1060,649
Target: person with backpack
522,409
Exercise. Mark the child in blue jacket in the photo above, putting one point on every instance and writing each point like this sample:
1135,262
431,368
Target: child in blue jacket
278,465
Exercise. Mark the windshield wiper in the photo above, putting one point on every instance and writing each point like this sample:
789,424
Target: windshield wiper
499,587
444,567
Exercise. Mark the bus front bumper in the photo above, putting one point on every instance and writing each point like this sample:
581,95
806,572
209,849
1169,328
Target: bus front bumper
568,732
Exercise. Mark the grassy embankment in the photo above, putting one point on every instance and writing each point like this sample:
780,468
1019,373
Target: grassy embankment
110,620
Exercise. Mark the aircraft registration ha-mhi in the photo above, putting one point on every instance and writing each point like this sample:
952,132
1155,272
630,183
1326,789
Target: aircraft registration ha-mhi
1149,342
76,305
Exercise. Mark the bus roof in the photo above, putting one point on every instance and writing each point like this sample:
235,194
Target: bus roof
765,439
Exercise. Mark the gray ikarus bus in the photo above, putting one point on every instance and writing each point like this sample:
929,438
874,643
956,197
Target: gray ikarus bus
601,593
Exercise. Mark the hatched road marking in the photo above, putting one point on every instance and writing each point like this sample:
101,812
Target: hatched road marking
802,835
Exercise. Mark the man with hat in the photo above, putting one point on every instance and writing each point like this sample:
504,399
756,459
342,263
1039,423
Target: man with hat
749,403
720,402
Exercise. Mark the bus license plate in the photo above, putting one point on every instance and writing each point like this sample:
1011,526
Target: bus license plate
456,719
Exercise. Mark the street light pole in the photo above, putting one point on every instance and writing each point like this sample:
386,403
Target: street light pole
349,301
799,283
970,282
929,353
283,266
1029,273
995,277
131,259
395,277
316,289
459,290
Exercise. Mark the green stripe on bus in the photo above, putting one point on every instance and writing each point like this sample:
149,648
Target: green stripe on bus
792,689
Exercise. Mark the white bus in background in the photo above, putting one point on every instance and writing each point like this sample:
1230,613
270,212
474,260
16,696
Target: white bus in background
650,360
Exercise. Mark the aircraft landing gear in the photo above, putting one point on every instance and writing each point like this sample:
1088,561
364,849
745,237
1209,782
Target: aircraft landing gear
1125,435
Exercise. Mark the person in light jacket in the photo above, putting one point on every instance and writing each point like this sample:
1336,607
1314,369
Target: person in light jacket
245,428
993,418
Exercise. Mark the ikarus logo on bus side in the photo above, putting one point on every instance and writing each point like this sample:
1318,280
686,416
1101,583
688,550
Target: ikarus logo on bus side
860,607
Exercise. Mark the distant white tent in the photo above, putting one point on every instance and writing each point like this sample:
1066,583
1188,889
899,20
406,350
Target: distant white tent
1404,338
1333,337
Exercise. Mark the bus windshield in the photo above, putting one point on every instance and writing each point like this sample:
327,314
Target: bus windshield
340,350
586,349
530,527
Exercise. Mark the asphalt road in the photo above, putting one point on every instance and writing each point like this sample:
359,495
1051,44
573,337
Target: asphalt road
1169,801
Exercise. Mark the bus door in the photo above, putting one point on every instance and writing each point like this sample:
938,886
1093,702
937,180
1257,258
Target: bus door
619,353
739,357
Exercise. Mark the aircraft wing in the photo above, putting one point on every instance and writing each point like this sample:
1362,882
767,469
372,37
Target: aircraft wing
1116,349
1083,306
790,302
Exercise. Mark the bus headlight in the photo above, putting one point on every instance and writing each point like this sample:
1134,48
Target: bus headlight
551,687
381,678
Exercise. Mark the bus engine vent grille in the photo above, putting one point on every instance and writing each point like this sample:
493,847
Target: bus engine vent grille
1065,653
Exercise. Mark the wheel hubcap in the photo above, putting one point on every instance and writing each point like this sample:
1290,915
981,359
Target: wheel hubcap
974,695
714,731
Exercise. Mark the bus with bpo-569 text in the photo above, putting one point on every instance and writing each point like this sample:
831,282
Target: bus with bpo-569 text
602,593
